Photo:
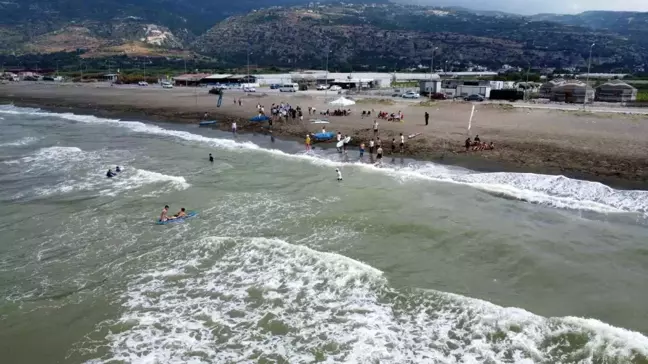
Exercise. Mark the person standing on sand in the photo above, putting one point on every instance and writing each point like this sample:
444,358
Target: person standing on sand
379,155
371,146
339,138
234,127
205,116
393,145
362,150
323,130
467,144
375,127
427,118
239,101
378,143
402,143
308,142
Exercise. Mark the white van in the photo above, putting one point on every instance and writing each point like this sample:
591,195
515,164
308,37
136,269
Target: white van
289,87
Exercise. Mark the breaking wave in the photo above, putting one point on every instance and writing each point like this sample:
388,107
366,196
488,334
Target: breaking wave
221,300
556,191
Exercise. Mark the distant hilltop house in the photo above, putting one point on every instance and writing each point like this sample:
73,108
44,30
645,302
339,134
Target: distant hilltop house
616,91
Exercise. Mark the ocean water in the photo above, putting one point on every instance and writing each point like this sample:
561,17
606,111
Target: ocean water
412,262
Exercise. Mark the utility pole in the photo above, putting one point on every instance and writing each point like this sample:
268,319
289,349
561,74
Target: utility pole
589,64
248,63
432,68
328,50
526,87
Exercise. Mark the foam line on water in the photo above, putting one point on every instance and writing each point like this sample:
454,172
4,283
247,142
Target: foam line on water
221,299
20,142
556,191
80,173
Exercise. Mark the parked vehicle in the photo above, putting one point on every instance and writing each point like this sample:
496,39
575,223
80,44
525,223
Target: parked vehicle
439,96
321,87
474,97
275,86
249,89
335,88
142,83
289,87
411,95
167,85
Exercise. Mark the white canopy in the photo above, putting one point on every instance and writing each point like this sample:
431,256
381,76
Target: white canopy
342,101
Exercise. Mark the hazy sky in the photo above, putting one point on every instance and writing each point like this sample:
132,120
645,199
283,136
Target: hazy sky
544,6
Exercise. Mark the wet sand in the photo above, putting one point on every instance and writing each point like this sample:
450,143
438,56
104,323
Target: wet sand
610,148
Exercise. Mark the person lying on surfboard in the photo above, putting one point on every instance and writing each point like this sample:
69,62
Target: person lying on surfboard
180,213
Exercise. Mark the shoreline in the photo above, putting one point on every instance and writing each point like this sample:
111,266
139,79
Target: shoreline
510,155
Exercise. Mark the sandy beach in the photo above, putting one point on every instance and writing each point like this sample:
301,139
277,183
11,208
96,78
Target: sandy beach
606,147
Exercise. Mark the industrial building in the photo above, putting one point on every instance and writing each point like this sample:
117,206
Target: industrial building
547,88
190,79
573,92
616,91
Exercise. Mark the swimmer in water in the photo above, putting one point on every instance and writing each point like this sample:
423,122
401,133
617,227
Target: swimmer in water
117,169
110,173
339,174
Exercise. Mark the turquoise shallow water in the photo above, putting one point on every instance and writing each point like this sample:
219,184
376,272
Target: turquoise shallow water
409,263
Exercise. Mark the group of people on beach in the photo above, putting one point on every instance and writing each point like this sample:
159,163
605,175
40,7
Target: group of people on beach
336,112
399,116
375,144
477,144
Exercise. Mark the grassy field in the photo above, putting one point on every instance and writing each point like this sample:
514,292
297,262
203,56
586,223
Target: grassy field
642,95
404,84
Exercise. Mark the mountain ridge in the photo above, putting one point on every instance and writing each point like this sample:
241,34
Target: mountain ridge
365,33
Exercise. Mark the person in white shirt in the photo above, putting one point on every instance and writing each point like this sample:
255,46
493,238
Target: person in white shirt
402,143
339,174
371,147
234,127
375,126
339,138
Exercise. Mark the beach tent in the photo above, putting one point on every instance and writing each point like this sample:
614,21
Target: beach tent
260,118
342,101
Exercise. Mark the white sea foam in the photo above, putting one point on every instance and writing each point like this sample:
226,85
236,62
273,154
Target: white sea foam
80,172
246,299
20,142
556,191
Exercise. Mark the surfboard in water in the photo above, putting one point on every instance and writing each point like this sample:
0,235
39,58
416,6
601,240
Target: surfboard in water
190,214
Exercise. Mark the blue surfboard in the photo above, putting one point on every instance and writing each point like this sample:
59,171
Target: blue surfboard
190,214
